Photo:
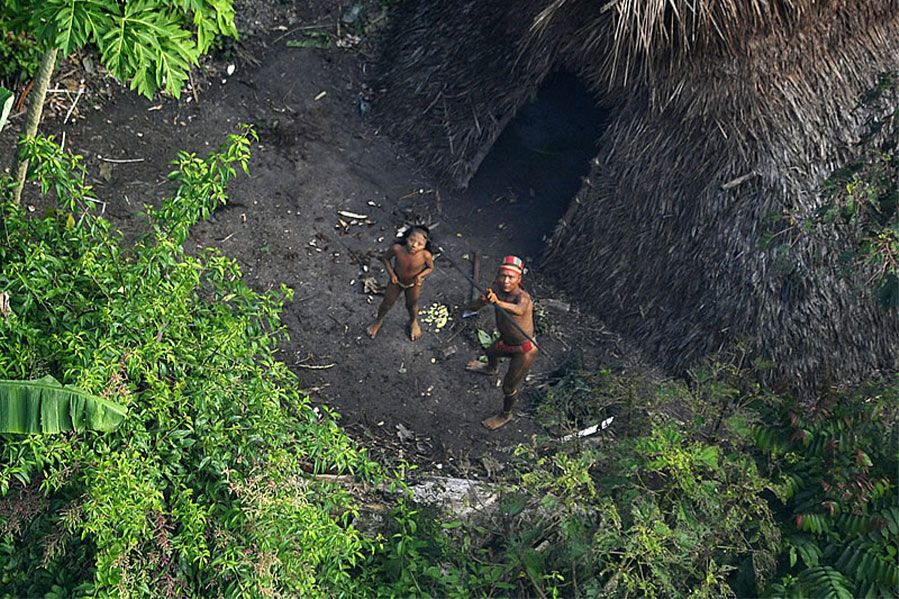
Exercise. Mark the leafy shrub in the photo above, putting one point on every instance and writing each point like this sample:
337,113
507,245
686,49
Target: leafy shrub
205,488
578,398
837,501
659,515
865,197
860,199
727,472
151,43
421,556
19,52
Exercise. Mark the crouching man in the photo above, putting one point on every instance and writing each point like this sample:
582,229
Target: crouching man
513,306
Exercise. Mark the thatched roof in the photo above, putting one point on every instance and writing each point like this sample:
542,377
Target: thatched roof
722,117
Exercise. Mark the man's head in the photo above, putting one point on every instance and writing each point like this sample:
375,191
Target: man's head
416,239
508,277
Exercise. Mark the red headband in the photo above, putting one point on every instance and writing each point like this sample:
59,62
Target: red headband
513,263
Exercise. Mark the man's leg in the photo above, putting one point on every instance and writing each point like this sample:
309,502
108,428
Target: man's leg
390,295
492,365
519,367
412,294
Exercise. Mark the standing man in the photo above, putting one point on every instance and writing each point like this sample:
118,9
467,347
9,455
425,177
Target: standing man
408,261
513,306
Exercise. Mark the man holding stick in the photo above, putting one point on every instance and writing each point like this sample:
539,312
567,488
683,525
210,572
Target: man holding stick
515,322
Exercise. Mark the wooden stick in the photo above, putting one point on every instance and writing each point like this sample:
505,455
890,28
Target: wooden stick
20,104
119,160
738,181
72,107
315,367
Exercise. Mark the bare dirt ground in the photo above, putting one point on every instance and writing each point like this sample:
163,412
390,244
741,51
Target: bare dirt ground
317,155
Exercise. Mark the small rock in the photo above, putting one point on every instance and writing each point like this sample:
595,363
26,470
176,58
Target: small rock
459,496
5,309
352,15
364,106
404,434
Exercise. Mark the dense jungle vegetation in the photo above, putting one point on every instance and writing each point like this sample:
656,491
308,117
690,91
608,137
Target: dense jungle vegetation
705,486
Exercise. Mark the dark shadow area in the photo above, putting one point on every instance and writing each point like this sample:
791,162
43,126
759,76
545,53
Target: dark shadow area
534,169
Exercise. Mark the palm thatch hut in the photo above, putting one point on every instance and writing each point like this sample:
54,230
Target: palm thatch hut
727,117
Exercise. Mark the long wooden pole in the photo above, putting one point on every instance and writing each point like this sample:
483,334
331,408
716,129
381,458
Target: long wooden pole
475,273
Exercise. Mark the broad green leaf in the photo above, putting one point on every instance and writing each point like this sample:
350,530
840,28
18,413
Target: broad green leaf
485,338
45,406
149,46
6,101
708,456
71,24
739,426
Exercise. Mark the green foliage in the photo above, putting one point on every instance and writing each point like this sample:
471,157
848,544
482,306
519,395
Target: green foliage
658,515
58,172
861,200
45,406
774,502
202,184
865,198
486,339
837,475
151,43
424,557
20,55
205,488
6,101
578,399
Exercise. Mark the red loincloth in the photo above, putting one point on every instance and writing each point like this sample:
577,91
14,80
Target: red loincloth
522,348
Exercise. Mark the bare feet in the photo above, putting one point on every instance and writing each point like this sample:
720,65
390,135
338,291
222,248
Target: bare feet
480,368
373,329
497,421
414,331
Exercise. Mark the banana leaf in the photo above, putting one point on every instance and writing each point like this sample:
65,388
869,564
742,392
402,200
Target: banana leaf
45,406
6,99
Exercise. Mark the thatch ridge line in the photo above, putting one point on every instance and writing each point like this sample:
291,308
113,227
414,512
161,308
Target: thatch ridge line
641,46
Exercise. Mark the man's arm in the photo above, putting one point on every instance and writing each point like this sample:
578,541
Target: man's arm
517,308
387,259
428,269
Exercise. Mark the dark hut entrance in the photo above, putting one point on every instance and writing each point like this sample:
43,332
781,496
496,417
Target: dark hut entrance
526,182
